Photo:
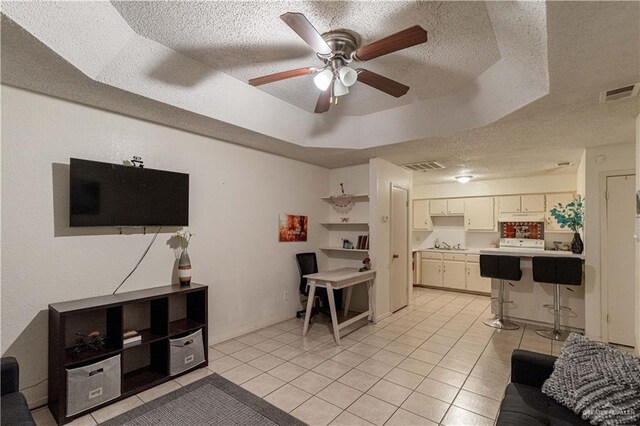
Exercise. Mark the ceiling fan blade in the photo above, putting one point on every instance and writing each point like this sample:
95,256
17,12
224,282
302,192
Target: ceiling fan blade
393,43
324,101
382,83
266,79
301,25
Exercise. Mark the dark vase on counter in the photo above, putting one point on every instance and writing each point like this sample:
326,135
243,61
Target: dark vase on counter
577,246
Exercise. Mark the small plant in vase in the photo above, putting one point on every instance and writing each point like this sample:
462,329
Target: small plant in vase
571,216
180,244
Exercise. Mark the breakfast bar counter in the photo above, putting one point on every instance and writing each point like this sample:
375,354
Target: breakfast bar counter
528,253
528,297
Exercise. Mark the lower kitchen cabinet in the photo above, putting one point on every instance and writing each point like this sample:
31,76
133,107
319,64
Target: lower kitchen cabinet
431,272
453,274
453,270
474,281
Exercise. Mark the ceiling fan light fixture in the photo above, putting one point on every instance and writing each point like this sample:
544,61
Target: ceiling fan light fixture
323,79
348,76
463,179
339,89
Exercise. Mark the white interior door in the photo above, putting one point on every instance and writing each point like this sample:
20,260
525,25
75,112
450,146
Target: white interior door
398,286
620,259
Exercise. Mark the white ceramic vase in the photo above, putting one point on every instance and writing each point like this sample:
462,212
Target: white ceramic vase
184,268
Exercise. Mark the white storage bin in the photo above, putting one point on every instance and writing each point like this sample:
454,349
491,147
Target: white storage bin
93,384
186,352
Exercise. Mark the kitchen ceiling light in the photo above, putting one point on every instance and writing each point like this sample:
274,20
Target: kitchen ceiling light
339,89
348,76
323,79
463,179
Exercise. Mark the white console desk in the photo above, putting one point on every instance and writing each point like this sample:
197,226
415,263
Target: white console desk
335,280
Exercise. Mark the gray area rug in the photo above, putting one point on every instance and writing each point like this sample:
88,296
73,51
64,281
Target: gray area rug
210,401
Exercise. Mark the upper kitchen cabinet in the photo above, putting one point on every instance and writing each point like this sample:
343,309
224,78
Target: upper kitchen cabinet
480,214
552,225
509,204
448,207
421,217
533,203
521,203
455,207
438,207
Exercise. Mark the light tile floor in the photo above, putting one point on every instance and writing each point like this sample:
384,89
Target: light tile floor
431,363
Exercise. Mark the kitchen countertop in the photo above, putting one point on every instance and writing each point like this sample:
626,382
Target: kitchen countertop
523,252
461,251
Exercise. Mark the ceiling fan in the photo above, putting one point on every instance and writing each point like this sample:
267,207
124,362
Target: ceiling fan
337,49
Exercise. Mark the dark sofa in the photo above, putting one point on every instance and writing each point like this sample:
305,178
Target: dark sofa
14,409
524,404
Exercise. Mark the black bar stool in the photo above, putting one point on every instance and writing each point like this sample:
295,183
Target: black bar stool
501,268
557,271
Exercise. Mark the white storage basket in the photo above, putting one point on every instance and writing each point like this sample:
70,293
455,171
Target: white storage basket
93,384
186,352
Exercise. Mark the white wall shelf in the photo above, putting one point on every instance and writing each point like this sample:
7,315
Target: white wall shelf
343,249
356,198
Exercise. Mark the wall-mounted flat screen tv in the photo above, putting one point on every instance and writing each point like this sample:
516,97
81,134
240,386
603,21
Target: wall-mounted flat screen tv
103,194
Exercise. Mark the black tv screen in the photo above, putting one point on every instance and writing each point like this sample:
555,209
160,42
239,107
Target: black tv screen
103,194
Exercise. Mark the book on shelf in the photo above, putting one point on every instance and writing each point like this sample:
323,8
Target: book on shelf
131,341
363,242
129,333
131,338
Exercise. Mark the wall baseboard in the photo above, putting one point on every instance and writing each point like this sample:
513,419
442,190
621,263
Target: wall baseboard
382,316
214,340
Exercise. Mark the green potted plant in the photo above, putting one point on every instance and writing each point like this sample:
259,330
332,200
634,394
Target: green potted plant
571,216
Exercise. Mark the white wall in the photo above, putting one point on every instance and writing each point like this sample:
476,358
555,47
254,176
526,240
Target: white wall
356,181
598,162
382,175
638,239
236,195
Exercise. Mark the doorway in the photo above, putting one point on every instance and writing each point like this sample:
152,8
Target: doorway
619,259
399,238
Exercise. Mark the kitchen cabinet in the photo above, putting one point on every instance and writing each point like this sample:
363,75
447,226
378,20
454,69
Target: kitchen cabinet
421,217
453,274
475,282
479,214
431,272
447,207
455,207
438,207
453,270
521,203
533,203
509,204
552,200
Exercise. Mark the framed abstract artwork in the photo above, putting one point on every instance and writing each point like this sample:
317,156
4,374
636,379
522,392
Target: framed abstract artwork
292,228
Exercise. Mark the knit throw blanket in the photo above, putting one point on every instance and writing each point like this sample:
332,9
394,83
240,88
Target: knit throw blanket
598,382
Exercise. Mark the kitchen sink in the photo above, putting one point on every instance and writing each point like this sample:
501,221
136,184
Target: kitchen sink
447,249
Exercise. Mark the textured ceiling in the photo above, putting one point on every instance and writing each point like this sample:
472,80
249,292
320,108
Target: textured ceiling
592,46
248,39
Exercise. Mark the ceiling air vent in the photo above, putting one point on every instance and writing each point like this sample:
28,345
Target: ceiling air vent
423,167
619,93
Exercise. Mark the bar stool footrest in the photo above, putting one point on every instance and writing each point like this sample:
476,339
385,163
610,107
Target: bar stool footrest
557,335
501,324
562,308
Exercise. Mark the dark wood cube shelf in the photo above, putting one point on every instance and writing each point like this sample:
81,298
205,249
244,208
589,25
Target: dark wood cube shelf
157,314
